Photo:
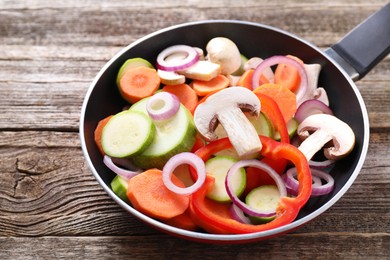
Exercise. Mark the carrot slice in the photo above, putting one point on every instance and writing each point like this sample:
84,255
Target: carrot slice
284,97
149,195
246,79
186,95
288,75
98,133
183,221
203,88
138,83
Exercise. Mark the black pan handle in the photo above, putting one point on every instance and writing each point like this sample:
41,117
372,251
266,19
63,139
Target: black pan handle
365,46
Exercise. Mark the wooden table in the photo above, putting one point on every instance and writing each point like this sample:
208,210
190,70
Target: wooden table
51,206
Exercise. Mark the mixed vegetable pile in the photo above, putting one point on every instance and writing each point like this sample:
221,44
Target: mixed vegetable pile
220,142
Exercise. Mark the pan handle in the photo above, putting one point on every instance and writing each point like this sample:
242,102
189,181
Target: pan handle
365,46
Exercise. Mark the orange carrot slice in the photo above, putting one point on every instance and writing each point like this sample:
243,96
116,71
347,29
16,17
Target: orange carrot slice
138,83
203,88
284,97
186,95
246,79
98,133
288,75
183,221
149,195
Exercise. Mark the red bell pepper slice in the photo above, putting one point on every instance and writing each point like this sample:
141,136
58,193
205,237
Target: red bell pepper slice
255,176
272,110
288,208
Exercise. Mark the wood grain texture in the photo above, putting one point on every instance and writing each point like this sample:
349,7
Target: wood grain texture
52,207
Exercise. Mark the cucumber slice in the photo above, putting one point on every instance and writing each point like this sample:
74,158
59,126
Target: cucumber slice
261,124
127,133
119,187
132,63
264,197
218,167
292,126
172,136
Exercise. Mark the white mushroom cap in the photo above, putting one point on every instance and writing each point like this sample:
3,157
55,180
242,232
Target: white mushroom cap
319,129
224,52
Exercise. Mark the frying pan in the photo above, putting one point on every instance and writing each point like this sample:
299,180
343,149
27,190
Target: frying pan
342,64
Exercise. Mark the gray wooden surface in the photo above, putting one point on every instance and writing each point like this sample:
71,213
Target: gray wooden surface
50,204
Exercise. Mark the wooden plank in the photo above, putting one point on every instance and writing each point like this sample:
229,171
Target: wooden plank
333,246
119,26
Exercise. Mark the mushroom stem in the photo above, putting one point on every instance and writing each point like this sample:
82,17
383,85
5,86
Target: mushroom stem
240,131
311,145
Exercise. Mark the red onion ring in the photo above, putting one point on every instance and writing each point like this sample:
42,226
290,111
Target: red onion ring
292,184
260,165
317,190
184,158
238,214
125,173
162,106
321,164
274,60
311,107
192,56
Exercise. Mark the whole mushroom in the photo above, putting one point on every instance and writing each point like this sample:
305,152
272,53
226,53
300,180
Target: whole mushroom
224,52
226,107
319,129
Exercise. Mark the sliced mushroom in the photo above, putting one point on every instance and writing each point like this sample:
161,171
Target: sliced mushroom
226,107
320,129
320,94
313,92
170,77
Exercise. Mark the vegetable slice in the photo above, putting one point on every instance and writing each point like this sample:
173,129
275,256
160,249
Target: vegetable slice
162,106
317,189
311,107
246,79
285,99
190,58
218,167
132,63
173,136
203,88
285,60
263,198
288,75
238,214
124,173
98,133
250,210
138,83
149,195
185,94
119,187
184,158
127,133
